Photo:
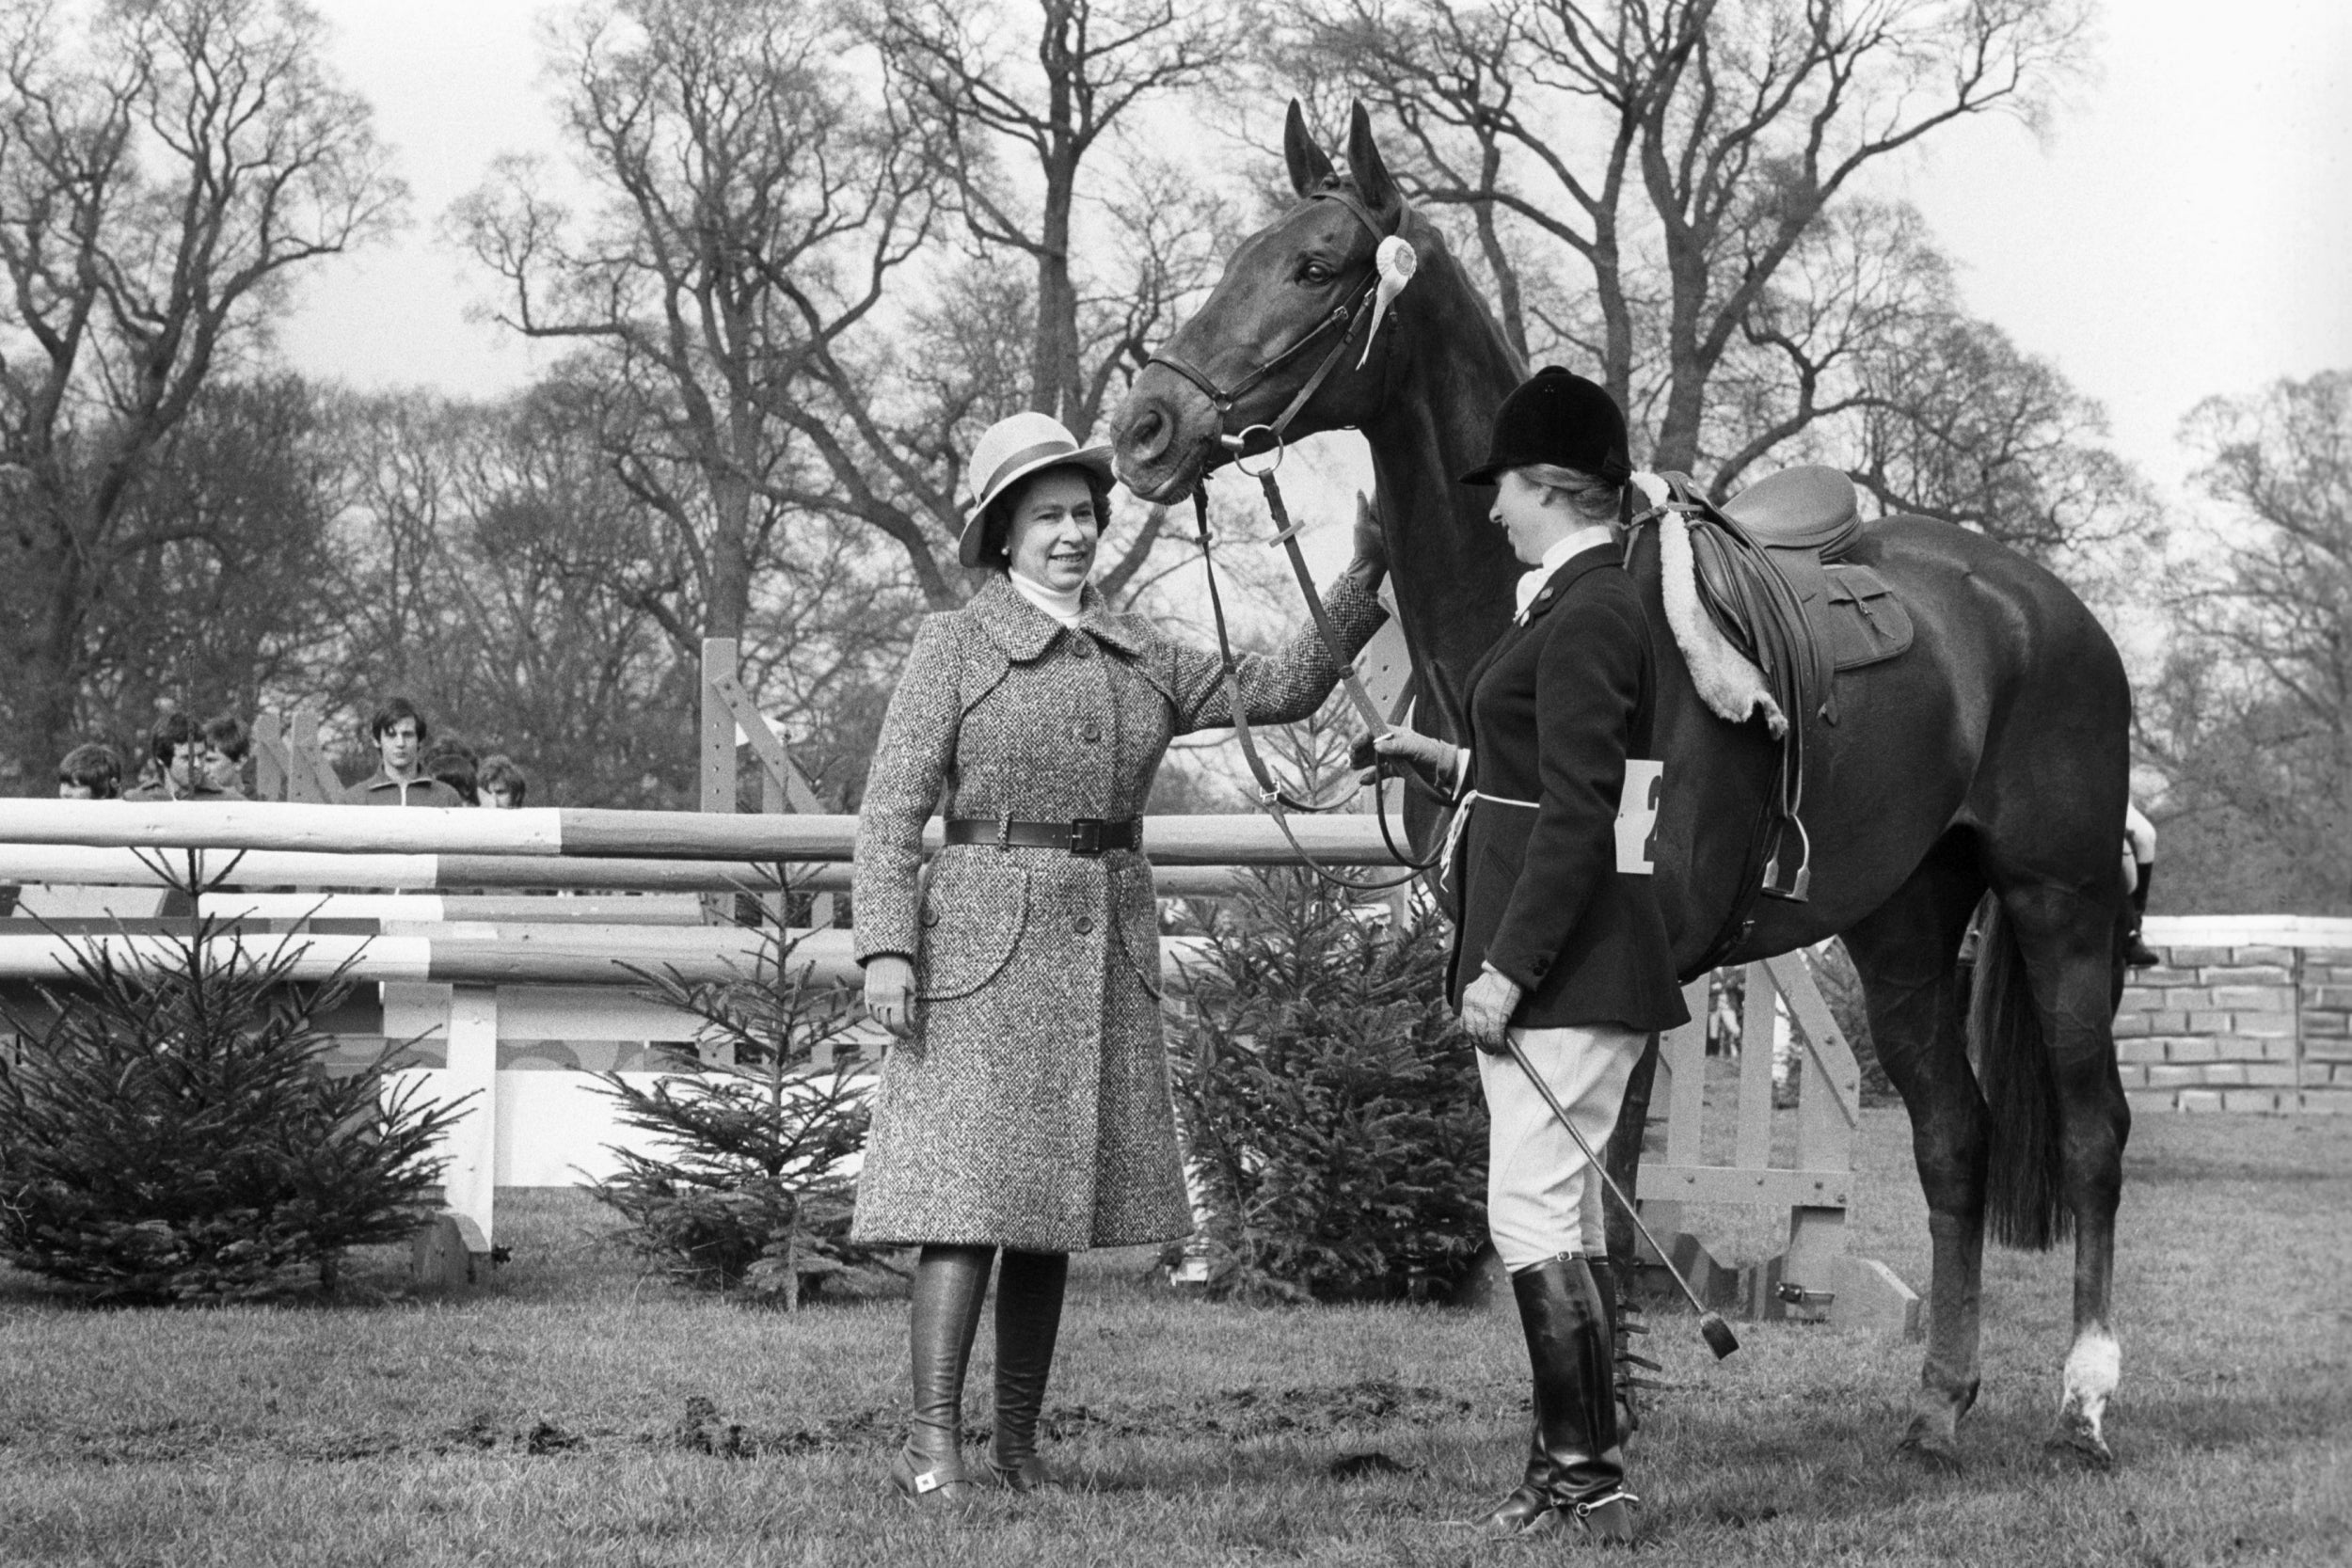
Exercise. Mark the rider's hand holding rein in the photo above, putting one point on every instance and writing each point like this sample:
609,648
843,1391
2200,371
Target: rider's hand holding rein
1435,763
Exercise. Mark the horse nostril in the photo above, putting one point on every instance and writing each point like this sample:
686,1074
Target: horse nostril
1148,437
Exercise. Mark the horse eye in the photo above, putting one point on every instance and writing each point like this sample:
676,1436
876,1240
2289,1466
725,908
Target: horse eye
1315,272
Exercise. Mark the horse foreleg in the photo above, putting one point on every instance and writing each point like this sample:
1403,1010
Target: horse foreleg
1622,1156
1904,952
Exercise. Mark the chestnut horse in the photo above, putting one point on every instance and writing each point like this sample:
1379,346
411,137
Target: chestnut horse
1989,755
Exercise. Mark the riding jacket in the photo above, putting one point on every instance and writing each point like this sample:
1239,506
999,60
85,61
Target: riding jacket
1552,875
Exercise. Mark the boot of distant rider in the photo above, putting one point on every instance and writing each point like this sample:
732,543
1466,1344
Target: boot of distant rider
1569,1349
2137,952
1029,1287
950,1285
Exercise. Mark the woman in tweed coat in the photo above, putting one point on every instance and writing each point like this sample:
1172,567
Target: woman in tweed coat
1028,1107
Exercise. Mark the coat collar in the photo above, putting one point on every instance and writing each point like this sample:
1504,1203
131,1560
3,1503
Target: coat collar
1024,631
1601,555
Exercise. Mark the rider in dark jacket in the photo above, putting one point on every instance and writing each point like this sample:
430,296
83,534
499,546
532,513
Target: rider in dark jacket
1560,947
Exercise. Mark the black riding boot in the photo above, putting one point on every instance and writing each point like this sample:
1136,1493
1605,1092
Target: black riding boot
2137,952
1566,1324
950,1283
1028,1316
1621,1336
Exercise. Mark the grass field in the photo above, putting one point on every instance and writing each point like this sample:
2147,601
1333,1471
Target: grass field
548,1419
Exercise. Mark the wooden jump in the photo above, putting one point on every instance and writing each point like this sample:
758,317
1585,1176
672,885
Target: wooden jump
567,833
81,865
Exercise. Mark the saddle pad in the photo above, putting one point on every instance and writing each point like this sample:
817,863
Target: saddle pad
1862,620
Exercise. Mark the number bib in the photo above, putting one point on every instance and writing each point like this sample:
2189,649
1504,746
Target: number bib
1637,816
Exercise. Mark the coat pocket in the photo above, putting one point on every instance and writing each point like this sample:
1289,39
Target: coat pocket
973,915
1135,925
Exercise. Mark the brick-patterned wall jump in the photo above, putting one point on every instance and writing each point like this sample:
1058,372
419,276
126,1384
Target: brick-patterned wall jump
2247,1013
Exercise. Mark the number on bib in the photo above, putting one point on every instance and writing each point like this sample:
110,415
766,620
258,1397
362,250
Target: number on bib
1637,816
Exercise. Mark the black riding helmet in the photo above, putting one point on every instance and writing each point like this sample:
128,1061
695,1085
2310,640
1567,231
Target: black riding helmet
1557,417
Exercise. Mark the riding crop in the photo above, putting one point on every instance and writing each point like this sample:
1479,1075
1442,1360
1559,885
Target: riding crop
1712,1328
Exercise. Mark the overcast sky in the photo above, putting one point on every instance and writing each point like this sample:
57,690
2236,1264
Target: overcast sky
2186,228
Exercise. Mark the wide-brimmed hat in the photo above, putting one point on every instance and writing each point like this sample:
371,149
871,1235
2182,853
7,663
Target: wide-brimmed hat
1009,452
1557,417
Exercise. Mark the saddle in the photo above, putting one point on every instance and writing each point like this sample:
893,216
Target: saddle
1773,577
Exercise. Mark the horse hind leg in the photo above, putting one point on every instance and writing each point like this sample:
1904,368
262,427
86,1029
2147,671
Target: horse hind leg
2061,1106
1905,952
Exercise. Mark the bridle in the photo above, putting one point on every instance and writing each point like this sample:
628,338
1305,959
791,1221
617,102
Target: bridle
1256,442
1258,439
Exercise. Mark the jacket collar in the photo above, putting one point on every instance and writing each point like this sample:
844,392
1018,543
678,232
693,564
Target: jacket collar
1602,555
1024,631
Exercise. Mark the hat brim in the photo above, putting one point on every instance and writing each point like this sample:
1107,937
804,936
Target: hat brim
1096,459
1490,474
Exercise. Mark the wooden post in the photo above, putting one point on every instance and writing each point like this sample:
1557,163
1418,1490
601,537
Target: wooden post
1753,1141
470,1183
1682,1062
272,779
717,756
782,787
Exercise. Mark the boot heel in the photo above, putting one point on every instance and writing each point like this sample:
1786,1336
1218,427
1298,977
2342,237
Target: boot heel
934,1486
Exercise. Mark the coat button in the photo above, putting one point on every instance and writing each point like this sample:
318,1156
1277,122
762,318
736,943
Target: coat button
1082,924
1090,732
1081,649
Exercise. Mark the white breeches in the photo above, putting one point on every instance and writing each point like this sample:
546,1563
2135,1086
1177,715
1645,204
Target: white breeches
2140,844
1543,1197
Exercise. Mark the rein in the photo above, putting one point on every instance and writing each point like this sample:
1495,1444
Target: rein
1277,802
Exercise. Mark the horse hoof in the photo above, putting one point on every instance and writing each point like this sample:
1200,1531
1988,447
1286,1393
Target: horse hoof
2081,1446
1932,1451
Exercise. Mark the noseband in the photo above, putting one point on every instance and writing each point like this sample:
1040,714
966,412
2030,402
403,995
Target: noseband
1258,439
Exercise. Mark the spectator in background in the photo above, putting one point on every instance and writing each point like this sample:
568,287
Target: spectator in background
502,783
89,772
175,752
399,731
454,764
226,743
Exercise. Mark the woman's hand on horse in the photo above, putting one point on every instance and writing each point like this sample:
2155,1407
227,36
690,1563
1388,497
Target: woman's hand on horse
1371,563
1437,763
1486,1009
890,992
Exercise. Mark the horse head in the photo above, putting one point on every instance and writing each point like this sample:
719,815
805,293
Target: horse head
1292,312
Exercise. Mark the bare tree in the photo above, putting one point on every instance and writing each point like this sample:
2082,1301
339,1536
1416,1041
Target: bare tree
1681,154
1016,127
491,566
163,172
754,199
2251,720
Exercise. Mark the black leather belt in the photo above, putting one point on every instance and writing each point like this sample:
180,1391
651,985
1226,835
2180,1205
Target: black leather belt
1087,835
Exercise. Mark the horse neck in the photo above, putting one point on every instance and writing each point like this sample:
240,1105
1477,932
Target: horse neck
1451,570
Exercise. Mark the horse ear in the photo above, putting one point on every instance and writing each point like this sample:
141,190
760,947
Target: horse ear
1311,167
1374,183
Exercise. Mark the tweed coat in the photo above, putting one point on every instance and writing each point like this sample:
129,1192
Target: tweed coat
1029,1108
1558,896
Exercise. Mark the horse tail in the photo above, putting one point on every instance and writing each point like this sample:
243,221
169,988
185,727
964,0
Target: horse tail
2024,1176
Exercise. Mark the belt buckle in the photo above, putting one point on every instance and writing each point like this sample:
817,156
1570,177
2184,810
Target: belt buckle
1086,835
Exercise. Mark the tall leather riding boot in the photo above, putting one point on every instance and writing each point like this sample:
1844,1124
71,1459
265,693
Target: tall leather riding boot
2137,952
1028,1316
1528,1510
1566,1324
951,1284
1620,1338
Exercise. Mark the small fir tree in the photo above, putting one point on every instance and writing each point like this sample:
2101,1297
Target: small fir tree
763,1119
169,1130
1330,1103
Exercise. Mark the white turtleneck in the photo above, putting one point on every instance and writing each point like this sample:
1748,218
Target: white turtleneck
1061,606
